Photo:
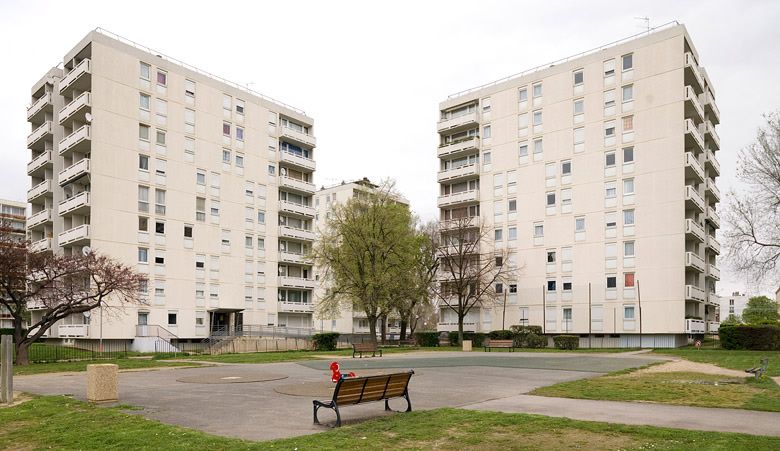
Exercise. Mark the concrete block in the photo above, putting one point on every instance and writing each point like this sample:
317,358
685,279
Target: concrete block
467,345
102,382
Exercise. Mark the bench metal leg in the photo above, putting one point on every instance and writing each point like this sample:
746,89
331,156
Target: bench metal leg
408,403
334,407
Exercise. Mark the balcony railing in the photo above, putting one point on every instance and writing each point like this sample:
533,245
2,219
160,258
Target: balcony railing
41,245
73,141
296,233
712,162
695,326
296,184
713,217
462,145
458,121
39,218
38,106
298,137
84,67
694,261
73,330
39,190
693,74
693,228
35,137
710,132
713,189
293,257
39,163
695,111
298,209
74,235
693,293
693,164
296,282
712,108
713,271
83,100
713,244
456,198
305,307
695,136
297,160
713,326
692,197
74,171
462,171
73,204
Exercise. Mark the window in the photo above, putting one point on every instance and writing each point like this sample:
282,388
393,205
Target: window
159,227
522,95
189,117
578,77
143,286
144,71
538,147
248,242
512,206
609,98
200,261
512,235
579,106
628,217
187,231
214,209
628,155
143,255
271,170
513,288
579,135
143,162
567,287
486,131
261,244
550,199
226,129
566,199
628,186
551,285
610,190
609,68
239,133
609,129
226,157
549,171
160,137
499,288
172,318
611,282
143,132
499,261
200,209
498,234
160,167
162,78
144,101
162,107
537,117
628,61
261,217
628,93
579,224
537,90
628,249
551,257
610,220
628,312
486,104
239,161
628,123
226,237
189,88
143,198
159,201
538,230
239,106
486,158
566,167
159,257
143,224
200,177
522,150
609,159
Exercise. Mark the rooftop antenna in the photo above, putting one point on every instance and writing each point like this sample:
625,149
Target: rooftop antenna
646,20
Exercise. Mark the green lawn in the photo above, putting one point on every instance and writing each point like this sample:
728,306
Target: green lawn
56,367
690,389
736,360
62,423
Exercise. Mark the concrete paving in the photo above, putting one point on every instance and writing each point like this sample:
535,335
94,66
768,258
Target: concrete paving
485,381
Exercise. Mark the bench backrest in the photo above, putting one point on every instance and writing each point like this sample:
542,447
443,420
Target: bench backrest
500,343
764,363
355,390
365,347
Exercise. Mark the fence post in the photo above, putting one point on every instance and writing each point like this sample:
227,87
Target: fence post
7,369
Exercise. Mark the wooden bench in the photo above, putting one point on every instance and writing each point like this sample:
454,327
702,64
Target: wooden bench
409,342
444,342
360,348
505,344
759,370
359,390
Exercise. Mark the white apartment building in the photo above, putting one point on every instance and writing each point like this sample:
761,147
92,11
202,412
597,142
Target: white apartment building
733,305
598,173
325,201
13,215
200,183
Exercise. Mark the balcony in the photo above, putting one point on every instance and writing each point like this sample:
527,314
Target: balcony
297,185
37,111
693,108
711,163
712,109
468,326
78,204
695,326
712,190
296,307
296,209
79,78
297,137
457,198
76,235
296,282
77,108
35,140
453,149
295,233
693,76
37,167
43,245
76,141
293,257
712,327
693,199
713,244
462,121
713,217
298,161
471,170
713,272
694,230
37,220
452,224
693,137
711,136
74,172
694,261
39,190
73,330
693,293
692,167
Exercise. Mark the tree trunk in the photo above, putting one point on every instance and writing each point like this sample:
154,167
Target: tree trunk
372,328
383,330
460,330
22,356
402,336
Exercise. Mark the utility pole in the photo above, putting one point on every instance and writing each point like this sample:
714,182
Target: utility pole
544,311
639,301
590,319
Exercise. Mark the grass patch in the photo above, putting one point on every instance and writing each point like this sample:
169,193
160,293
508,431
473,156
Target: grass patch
689,389
62,423
726,358
58,367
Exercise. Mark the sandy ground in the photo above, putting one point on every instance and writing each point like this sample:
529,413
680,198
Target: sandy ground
686,366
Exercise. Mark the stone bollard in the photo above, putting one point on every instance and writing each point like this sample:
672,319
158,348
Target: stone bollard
6,369
102,382
467,345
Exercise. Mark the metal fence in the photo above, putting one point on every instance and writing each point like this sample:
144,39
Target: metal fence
81,350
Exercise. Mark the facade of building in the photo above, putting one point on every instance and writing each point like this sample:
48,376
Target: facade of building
325,201
199,183
13,215
598,174
733,305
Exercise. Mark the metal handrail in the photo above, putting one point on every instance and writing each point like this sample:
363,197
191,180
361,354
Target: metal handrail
563,60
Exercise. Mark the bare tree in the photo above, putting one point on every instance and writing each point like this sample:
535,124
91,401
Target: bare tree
58,286
752,218
469,270
422,272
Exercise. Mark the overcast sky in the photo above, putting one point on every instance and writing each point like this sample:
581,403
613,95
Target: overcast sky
371,75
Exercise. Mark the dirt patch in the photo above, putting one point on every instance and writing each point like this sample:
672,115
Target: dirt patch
508,437
19,398
686,366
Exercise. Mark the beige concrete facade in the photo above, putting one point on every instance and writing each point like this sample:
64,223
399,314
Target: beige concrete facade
598,173
185,176
13,214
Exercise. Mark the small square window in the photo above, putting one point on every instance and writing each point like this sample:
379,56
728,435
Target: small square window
172,319
144,71
538,230
226,157
239,161
143,132
522,94
609,159
144,101
550,256
579,224
579,106
143,224
611,282
162,78
498,234
628,155
226,129
239,133
628,93
566,167
628,61
551,285
187,231
143,162
578,77
159,227
537,90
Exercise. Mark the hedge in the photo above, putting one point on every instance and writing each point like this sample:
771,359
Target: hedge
427,339
477,338
325,341
566,341
501,335
528,336
761,338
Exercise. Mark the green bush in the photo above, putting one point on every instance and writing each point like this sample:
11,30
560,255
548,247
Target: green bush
526,329
566,341
501,335
326,341
761,338
528,336
533,340
477,338
427,339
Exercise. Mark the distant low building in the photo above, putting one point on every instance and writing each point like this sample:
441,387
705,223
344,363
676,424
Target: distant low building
732,305
14,214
